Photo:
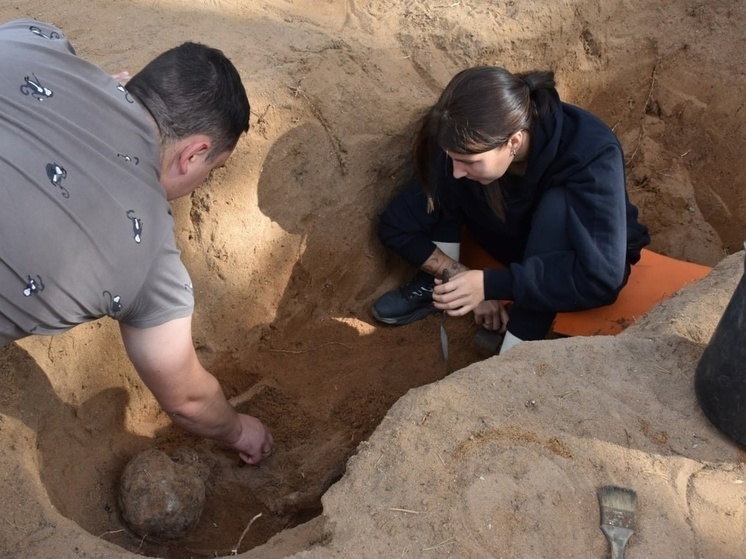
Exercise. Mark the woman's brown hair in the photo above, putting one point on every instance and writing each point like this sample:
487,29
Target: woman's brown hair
479,110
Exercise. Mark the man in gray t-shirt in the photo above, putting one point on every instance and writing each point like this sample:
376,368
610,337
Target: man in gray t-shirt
87,168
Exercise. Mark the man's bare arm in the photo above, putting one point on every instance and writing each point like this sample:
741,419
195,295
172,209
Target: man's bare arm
165,359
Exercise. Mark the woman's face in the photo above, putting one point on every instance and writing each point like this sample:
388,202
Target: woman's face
485,167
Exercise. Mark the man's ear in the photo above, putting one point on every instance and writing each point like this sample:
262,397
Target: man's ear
193,151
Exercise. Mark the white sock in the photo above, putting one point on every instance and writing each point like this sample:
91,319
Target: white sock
509,341
451,250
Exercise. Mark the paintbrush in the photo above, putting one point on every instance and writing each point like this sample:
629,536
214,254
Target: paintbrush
617,517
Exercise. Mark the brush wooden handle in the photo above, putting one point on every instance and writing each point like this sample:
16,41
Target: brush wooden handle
618,538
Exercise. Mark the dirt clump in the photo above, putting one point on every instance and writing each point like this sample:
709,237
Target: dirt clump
160,498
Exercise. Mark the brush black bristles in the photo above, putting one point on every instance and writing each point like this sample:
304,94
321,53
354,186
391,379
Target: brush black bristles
617,506
617,497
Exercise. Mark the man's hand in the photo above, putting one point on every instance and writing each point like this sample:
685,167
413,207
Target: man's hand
165,359
255,442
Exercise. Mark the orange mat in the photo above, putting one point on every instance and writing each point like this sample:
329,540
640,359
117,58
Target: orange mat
652,280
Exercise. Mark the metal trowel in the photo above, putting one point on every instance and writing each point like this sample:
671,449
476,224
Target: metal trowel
443,333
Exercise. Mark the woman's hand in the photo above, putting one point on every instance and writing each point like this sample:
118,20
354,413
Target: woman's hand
491,315
461,294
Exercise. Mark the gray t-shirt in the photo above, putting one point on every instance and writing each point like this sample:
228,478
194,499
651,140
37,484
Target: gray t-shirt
85,227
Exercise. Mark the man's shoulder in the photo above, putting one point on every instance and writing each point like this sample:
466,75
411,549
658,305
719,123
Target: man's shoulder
31,31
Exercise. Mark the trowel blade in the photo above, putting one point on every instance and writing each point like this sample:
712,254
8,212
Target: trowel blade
444,337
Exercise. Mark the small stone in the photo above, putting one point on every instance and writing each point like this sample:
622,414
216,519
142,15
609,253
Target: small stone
159,498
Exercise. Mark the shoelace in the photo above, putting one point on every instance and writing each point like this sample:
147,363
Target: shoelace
416,288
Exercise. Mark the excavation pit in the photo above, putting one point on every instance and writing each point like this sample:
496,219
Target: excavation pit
283,254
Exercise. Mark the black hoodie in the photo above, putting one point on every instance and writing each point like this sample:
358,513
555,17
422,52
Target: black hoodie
570,149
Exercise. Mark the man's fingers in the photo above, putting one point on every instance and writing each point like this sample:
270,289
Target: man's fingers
264,453
247,458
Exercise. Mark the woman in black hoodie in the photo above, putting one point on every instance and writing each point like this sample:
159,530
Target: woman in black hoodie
539,184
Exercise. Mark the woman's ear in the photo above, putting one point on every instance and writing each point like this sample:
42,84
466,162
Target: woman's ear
516,140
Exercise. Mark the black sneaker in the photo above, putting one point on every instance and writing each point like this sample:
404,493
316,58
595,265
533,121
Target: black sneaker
413,301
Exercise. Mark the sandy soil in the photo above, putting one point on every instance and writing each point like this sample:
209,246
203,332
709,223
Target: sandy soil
414,458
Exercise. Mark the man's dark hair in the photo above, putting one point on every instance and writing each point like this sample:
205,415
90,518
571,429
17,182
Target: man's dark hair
194,89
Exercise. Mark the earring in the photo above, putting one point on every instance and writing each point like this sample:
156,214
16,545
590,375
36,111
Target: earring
512,153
